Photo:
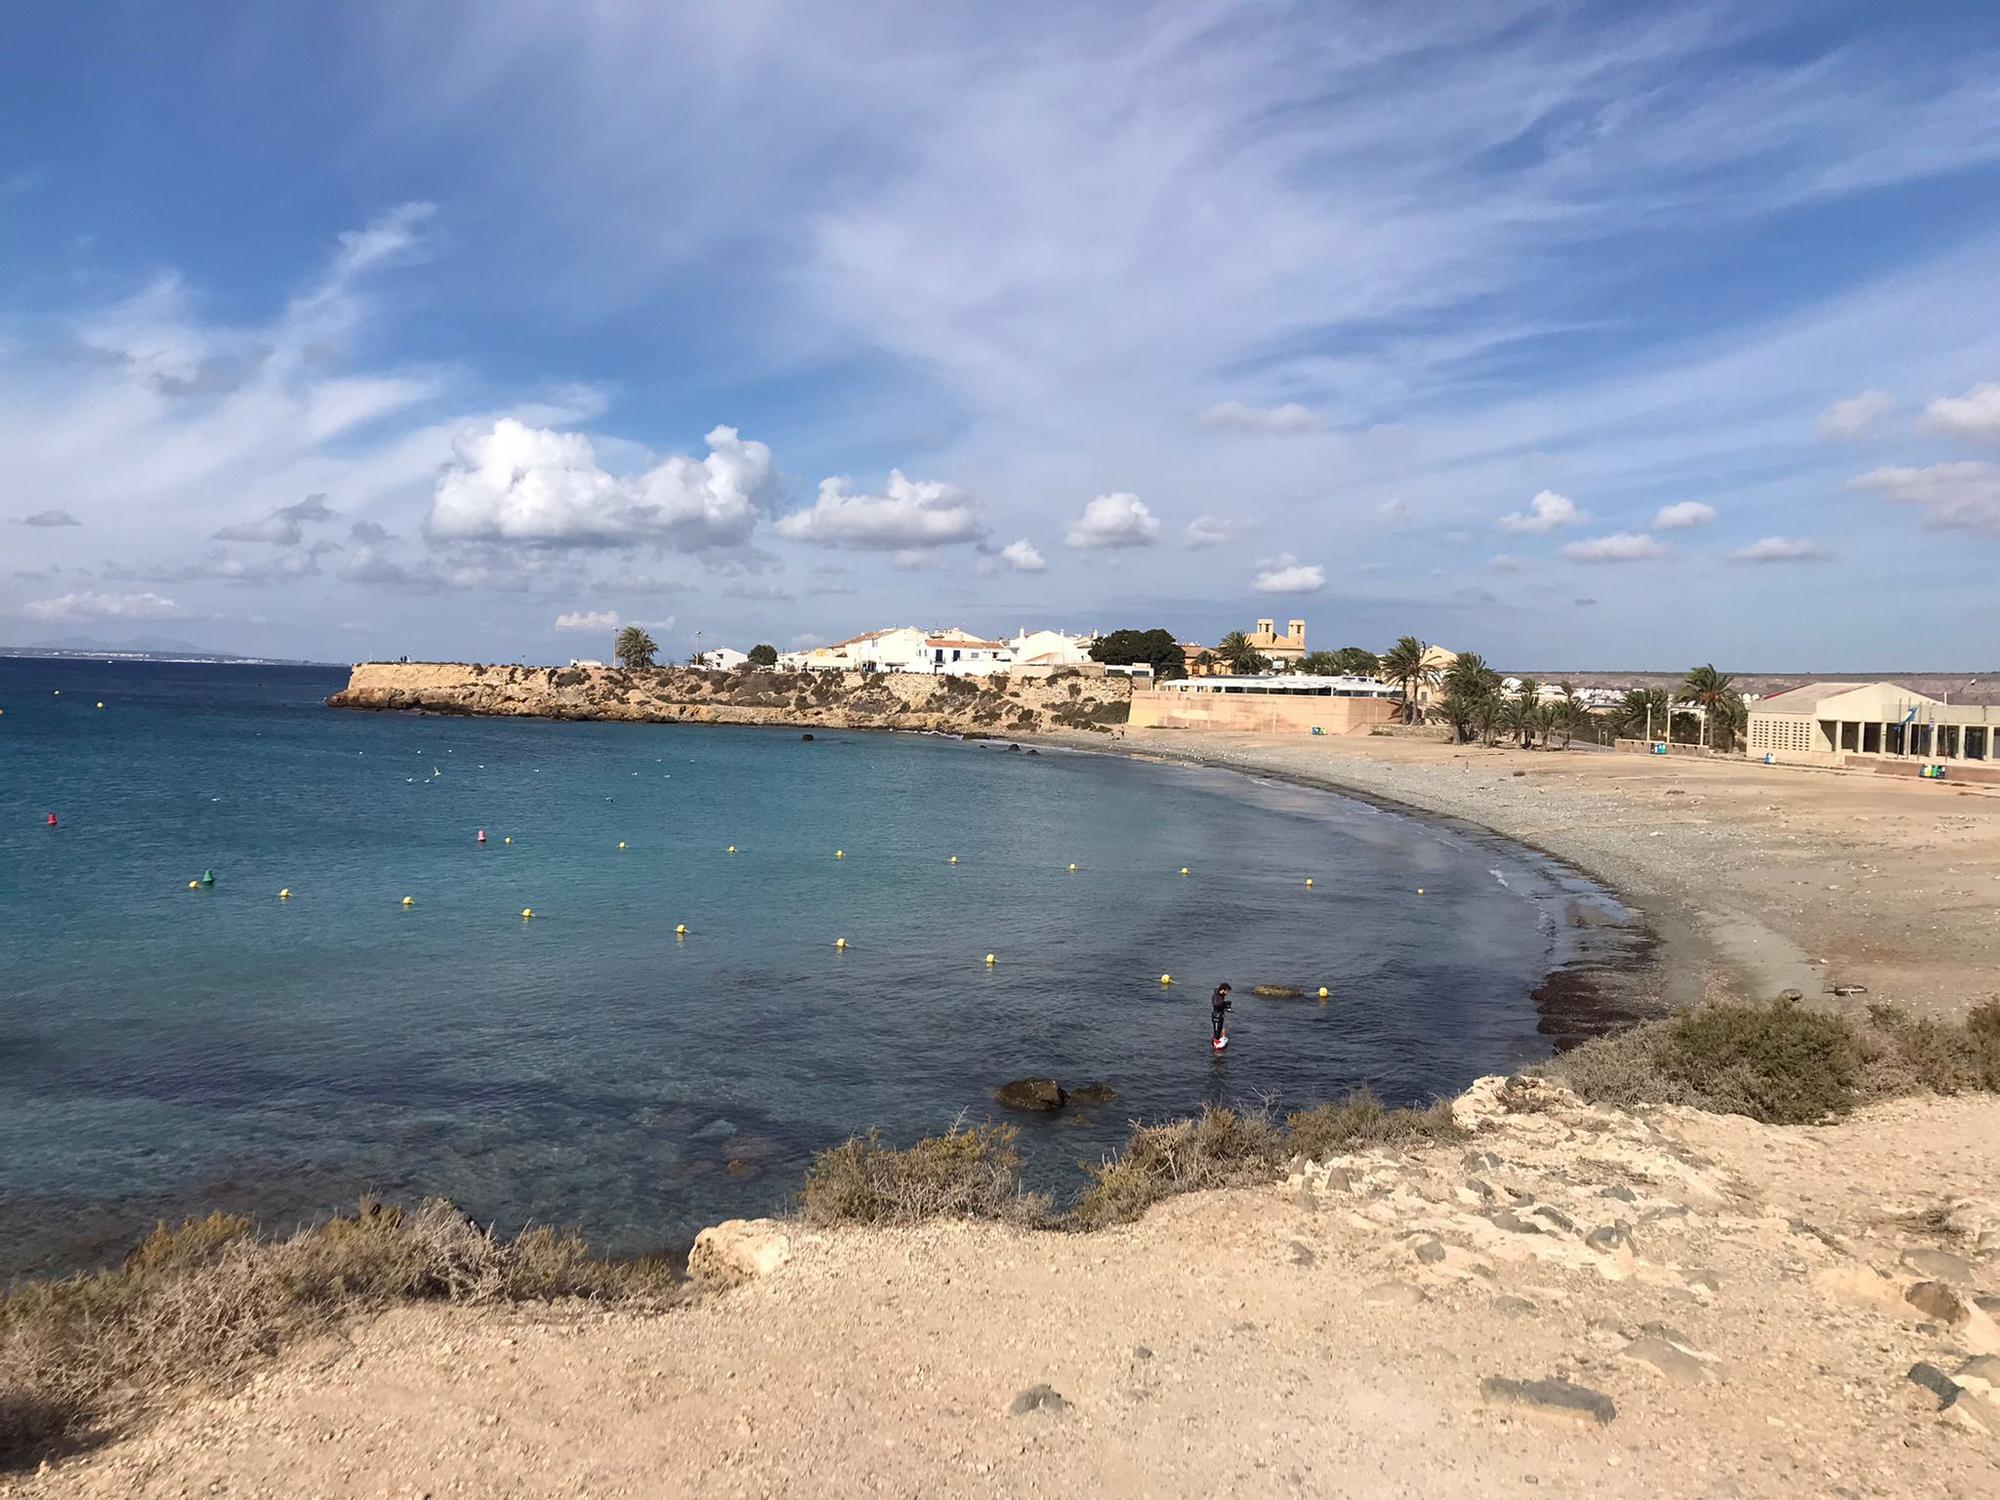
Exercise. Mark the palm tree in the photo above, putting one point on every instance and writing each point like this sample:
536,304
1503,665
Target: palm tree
1404,664
1518,715
634,648
1645,711
1710,689
1529,693
1242,657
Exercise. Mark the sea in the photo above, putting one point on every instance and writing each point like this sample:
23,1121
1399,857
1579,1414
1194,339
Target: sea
398,1026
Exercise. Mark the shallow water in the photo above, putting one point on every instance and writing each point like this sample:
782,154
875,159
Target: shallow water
163,1049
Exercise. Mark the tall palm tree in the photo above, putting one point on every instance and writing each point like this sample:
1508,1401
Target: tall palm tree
1242,657
1570,712
1645,711
634,648
1712,690
1404,665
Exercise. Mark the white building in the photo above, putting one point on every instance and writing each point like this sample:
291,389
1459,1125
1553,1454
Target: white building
1050,648
958,653
722,659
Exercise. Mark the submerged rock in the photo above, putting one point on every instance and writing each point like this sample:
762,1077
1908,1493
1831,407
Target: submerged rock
1092,1093
1037,1095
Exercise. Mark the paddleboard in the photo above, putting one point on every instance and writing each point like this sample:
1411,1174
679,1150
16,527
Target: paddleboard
1219,1043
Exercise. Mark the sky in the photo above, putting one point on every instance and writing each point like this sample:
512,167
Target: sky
1584,336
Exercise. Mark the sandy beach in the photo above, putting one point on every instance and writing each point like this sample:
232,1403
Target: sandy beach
1579,1300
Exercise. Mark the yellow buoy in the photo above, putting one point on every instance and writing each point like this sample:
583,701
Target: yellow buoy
1323,992
527,912
991,960
194,885
621,843
1072,869
1166,979
1420,890
732,849
840,943
954,859
1309,881
680,929
409,901
1183,869
840,854
285,894
100,705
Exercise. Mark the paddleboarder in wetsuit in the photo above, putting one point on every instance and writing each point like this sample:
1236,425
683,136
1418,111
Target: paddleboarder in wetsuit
1219,1004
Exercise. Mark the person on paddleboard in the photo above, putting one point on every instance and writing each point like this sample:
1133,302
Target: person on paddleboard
1219,1004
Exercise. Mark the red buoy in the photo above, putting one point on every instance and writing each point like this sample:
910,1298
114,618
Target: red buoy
482,835
52,820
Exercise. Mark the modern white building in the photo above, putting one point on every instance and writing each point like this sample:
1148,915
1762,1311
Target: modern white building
722,659
959,653
1050,648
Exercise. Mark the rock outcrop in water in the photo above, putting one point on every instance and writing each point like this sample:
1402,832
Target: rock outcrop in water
999,705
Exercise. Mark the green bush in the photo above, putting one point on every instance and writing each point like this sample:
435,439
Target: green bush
967,1173
1781,1064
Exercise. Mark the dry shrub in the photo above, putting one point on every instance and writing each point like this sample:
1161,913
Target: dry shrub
1361,1119
1904,1055
967,1173
197,1306
1217,1148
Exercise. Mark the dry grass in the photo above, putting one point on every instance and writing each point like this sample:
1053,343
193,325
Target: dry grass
1784,1064
966,1173
196,1307
1217,1148
1363,1120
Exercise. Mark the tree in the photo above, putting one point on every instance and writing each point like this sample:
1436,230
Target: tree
1644,712
634,648
1404,664
1529,694
1471,703
1242,657
1357,661
1155,648
1713,691
1569,713
763,655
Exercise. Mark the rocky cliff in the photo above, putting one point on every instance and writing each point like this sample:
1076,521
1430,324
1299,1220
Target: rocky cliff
833,700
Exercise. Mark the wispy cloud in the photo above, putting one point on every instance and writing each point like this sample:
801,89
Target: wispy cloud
1974,416
1619,547
1782,549
1286,418
98,606
1682,515
56,517
1952,497
1285,574
1855,416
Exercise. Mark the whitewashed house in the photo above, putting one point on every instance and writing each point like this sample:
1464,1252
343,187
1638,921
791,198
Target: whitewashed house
959,653
722,659
1050,648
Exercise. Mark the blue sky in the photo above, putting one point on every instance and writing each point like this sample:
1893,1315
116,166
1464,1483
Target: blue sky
1577,335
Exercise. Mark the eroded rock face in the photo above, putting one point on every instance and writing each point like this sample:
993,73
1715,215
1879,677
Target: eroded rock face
738,1250
997,705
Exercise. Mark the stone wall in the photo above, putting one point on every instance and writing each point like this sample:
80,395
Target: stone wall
1258,713
1075,699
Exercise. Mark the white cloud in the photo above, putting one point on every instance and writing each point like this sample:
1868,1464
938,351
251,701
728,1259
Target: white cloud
1285,574
56,517
1953,497
283,527
517,483
1288,418
1974,416
910,514
1505,562
596,619
1683,514
94,606
335,406
1781,549
1023,556
1214,531
1393,510
1621,546
1115,520
1844,421
1548,511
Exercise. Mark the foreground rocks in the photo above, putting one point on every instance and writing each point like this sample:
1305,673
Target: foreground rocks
1076,698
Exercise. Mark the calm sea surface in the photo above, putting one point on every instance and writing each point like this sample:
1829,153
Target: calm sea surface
165,1050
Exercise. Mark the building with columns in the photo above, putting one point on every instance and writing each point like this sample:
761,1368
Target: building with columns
1825,723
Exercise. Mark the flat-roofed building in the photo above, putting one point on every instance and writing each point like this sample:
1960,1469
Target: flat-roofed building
1293,703
1823,723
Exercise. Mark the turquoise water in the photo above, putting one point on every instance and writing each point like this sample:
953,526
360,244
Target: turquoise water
163,1050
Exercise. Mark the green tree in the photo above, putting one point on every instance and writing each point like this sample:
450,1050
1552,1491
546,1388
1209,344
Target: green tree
1357,661
1528,694
1645,711
634,648
1241,657
1404,664
1155,648
1713,691
763,655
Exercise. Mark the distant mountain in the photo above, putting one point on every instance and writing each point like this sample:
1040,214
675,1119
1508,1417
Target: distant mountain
158,643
